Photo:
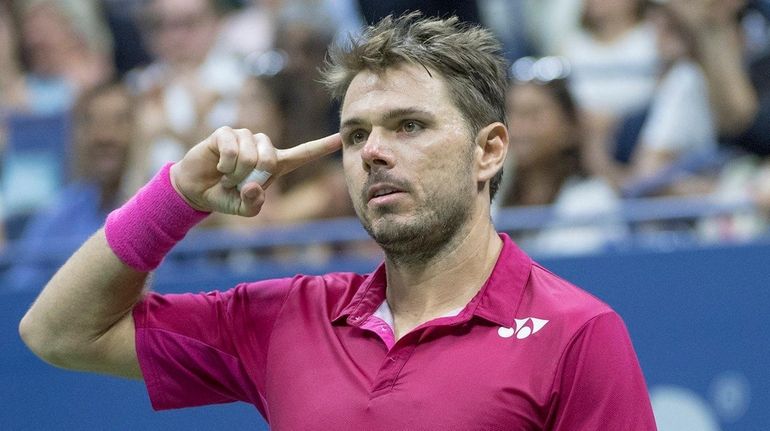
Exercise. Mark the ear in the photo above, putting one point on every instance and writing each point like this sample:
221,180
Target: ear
491,149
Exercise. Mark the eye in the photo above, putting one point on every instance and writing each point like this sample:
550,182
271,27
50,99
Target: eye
411,126
358,137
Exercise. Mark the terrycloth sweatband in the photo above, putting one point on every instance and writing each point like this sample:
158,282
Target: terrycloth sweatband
145,228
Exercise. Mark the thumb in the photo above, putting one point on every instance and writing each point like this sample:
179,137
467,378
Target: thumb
252,198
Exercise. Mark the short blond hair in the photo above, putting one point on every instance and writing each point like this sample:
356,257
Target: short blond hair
467,56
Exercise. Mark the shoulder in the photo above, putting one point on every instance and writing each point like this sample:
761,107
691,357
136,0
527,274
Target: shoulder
333,290
308,284
686,74
563,304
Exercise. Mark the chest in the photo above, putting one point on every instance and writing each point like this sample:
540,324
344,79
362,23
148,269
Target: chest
463,376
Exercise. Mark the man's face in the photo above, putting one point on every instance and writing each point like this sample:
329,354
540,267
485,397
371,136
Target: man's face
48,39
181,31
107,131
408,159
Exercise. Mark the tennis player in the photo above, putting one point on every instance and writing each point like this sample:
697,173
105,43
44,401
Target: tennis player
457,329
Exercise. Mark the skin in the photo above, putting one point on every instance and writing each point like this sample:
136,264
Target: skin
612,18
402,133
54,48
185,31
719,41
48,50
82,319
540,134
540,130
106,134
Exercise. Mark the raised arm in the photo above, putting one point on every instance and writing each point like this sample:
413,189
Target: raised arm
82,318
716,30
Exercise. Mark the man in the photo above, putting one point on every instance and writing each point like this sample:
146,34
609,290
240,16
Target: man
104,129
457,330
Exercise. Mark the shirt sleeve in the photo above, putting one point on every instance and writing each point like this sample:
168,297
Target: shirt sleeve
599,384
192,347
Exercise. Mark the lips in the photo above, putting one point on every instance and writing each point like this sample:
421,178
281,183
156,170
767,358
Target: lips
381,189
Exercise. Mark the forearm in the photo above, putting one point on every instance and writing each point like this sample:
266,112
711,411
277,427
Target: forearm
82,319
79,306
733,97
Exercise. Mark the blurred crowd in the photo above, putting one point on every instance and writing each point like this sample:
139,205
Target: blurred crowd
608,100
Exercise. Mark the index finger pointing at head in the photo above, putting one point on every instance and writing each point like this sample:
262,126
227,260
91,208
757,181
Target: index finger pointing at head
292,158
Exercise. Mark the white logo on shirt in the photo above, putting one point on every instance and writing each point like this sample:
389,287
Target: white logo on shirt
523,329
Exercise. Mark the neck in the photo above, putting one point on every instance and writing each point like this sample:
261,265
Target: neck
447,281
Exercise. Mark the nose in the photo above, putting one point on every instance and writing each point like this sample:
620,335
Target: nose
376,152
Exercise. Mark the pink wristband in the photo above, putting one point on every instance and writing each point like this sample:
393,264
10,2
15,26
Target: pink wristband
145,228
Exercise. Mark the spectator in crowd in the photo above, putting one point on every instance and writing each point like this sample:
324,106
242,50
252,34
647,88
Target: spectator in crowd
318,191
50,53
129,49
189,88
613,57
681,98
614,61
64,48
738,82
546,138
11,84
737,69
104,131
250,30
9,70
545,135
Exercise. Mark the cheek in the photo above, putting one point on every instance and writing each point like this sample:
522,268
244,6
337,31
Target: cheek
351,165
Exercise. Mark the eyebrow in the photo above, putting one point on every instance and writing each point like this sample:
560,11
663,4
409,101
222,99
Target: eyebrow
388,116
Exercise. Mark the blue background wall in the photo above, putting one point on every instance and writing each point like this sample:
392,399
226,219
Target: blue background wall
698,319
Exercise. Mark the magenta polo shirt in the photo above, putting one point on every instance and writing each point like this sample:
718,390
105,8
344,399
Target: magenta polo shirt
529,352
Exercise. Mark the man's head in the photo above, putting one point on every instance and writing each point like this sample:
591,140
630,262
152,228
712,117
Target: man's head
422,124
467,57
181,32
105,130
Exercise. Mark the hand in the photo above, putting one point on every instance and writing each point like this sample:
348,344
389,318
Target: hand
209,174
707,15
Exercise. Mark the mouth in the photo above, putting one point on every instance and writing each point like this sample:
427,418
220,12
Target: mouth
382,192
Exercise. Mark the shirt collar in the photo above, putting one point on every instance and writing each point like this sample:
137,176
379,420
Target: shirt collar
496,301
369,296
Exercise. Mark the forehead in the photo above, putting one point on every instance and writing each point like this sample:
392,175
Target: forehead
403,87
107,103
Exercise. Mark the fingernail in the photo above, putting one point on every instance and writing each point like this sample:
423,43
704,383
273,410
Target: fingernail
252,194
